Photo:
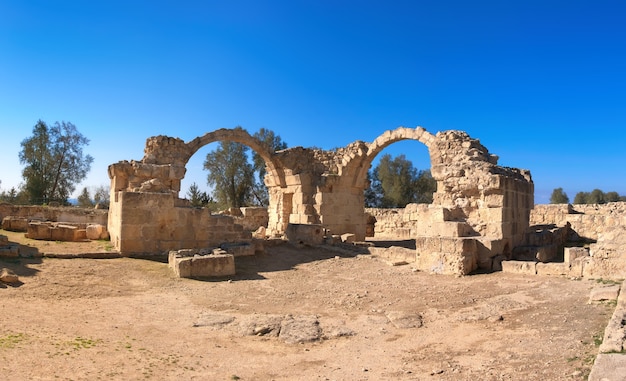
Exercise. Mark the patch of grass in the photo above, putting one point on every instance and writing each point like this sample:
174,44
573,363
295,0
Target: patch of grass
597,339
608,281
11,340
82,343
610,303
106,244
235,377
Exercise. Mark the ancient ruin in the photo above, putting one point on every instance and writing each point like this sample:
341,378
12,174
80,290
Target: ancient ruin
479,214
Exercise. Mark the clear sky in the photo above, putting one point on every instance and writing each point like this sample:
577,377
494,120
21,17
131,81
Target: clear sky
542,84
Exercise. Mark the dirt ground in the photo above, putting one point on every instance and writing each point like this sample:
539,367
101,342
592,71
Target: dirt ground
131,319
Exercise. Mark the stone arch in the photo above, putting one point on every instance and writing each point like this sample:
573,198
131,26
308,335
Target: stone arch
386,139
275,171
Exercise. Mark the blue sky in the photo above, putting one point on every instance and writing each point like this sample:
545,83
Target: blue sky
542,84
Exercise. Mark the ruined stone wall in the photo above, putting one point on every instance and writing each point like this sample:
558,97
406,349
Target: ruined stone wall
590,221
154,223
251,218
480,210
603,223
56,214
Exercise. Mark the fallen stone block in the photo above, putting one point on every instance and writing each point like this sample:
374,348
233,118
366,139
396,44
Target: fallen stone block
572,253
9,251
15,224
305,234
300,329
608,367
188,265
8,276
347,238
604,293
554,268
96,232
519,267
238,249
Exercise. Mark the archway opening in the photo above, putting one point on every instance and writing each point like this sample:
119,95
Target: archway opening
401,185
235,170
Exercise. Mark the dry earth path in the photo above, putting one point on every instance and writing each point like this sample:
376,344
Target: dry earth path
131,319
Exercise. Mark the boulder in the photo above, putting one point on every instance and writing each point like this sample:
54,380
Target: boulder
8,276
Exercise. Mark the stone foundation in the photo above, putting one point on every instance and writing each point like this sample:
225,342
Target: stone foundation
199,264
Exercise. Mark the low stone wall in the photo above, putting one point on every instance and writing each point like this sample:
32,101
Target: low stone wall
57,214
389,222
588,221
251,218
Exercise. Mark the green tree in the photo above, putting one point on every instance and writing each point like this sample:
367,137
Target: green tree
612,197
197,197
102,196
54,160
581,198
84,199
230,174
373,193
596,197
559,197
394,183
272,143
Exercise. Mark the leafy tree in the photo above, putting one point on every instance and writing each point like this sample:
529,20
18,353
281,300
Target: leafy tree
612,197
373,193
425,186
581,198
394,183
54,160
84,199
559,197
102,196
272,143
197,197
596,197
230,173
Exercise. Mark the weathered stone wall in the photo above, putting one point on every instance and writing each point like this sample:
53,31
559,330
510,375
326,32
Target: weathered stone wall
588,221
155,223
390,223
480,210
56,214
603,223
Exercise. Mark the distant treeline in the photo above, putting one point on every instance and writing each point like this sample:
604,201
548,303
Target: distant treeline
596,196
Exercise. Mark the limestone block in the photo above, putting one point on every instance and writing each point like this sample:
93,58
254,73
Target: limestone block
547,253
182,267
9,251
96,232
15,224
347,238
4,240
8,276
451,229
604,293
38,230
307,234
238,249
555,268
260,233
571,253
519,267
212,265
576,267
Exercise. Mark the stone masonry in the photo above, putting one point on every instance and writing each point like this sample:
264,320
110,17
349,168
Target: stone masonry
480,210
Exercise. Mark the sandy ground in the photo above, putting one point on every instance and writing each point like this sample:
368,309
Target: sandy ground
131,319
